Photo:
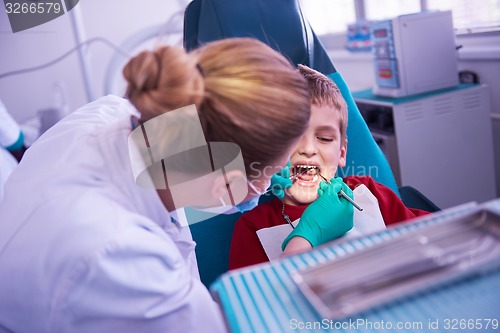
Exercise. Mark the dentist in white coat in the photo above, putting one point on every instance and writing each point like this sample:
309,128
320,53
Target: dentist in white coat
7,164
86,247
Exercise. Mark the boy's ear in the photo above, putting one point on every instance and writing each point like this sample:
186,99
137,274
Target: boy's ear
229,186
343,154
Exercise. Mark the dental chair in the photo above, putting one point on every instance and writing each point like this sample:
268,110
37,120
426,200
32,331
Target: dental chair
282,25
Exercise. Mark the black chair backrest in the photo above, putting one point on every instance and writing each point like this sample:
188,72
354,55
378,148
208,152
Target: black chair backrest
278,23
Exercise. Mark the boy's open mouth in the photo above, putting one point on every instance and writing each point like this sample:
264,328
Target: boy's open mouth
306,173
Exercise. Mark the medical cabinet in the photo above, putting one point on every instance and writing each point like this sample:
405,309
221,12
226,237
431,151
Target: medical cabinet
439,143
414,53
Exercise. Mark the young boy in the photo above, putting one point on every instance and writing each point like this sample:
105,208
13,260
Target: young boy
320,151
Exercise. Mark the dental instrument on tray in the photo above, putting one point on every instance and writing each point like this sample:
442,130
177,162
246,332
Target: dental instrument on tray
417,261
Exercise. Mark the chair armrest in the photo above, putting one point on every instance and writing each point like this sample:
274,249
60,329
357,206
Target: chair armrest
412,198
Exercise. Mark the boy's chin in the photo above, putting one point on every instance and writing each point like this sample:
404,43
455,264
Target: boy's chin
301,197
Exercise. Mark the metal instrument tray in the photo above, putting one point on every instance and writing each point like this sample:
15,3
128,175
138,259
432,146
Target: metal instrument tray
431,256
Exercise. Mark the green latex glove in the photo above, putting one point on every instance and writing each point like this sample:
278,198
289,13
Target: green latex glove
326,218
280,181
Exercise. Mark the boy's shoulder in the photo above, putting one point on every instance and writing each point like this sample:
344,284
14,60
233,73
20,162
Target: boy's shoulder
355,181
262,208
260,216
375,187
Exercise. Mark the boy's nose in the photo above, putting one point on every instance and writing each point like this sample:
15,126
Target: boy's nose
307,147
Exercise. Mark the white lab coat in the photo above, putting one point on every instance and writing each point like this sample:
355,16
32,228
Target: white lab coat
84,249
7,164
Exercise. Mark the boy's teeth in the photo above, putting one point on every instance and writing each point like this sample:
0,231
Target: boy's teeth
302,169
309,170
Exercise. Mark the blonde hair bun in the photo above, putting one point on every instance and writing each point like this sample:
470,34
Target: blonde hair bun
163,80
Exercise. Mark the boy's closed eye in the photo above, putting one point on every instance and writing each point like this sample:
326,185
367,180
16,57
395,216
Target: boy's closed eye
325,138
326,134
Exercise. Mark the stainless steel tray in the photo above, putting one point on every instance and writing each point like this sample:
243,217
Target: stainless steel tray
427,257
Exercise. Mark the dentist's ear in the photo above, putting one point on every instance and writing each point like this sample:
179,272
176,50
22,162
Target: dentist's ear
230,186
343,154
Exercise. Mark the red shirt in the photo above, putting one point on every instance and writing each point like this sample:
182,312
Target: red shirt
246,248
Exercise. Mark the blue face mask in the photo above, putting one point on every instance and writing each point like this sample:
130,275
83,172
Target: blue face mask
242,207
250,204
247,205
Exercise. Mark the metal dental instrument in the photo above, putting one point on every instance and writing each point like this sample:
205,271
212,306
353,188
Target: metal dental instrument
344,195
341,193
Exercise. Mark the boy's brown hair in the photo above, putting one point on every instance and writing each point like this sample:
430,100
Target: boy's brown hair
324,92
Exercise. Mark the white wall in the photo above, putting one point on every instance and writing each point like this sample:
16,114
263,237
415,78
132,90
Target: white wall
480,54
114,20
